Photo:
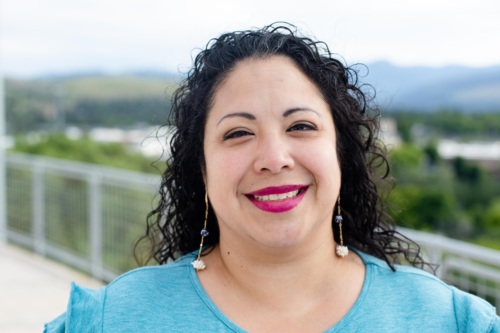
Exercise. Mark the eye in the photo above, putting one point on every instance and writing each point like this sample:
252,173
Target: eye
236,134
302,127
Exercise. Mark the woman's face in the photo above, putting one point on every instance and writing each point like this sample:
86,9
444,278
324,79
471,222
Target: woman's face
272,172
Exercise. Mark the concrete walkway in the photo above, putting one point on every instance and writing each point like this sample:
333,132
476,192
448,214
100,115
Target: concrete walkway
33,289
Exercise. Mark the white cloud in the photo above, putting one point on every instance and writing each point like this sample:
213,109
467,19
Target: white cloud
56,35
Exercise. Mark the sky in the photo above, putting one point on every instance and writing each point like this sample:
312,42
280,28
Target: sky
39,37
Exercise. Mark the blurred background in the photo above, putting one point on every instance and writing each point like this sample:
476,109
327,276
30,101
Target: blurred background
86,85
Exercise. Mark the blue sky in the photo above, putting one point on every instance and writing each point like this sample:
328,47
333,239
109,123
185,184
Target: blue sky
57,36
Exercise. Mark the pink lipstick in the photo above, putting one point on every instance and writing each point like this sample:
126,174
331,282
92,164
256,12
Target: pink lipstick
278,199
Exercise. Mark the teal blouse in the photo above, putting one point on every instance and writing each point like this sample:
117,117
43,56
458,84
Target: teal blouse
170,298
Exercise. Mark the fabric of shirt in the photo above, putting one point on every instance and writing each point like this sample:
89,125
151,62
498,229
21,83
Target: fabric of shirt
170,298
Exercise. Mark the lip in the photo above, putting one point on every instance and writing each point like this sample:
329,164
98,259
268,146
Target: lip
281,205
277,189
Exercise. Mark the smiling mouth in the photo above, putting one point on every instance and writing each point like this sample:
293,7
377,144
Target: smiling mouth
277,197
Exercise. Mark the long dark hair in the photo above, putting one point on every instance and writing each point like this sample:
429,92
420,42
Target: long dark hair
173,227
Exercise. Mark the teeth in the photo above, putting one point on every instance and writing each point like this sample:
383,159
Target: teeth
277,197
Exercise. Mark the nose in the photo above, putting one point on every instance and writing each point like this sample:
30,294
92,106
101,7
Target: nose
273,155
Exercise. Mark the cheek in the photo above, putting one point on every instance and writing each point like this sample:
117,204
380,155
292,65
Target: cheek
323,164
225,170
321,156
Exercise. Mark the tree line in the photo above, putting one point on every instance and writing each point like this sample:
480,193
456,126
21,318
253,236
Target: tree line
455,197
52,105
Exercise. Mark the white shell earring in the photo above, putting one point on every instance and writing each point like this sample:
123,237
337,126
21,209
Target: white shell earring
341,250
199,264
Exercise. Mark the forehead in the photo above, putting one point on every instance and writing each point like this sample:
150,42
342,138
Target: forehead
267,76
277,66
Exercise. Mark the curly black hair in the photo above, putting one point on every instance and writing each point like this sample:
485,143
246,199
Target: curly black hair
173,227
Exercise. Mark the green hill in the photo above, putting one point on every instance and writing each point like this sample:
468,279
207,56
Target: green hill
118,101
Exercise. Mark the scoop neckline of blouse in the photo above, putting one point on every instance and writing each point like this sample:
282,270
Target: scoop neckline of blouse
228,322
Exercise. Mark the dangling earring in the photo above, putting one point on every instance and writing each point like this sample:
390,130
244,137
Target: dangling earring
199,264
341,250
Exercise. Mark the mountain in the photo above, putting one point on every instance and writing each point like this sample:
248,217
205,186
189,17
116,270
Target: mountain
427,89
147,73
398,88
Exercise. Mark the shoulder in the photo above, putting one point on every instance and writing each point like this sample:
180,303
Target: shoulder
406,279
473,312
425,299
152,285
134,295
407,287
403,277
84,310
148,277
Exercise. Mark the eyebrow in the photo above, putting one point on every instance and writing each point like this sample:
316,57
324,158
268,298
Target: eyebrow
245,115
298,109
250,116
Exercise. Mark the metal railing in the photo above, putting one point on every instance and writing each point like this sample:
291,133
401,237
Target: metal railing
89,216
470,267
84,215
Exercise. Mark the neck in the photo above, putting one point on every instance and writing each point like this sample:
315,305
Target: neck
265,273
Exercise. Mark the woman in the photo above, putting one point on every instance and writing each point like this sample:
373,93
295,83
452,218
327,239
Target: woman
274,167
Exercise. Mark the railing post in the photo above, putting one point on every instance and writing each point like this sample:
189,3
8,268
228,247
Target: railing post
3,194
38,208
3,164
436,257
95,225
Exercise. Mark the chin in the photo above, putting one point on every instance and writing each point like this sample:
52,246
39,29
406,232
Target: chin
283,239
